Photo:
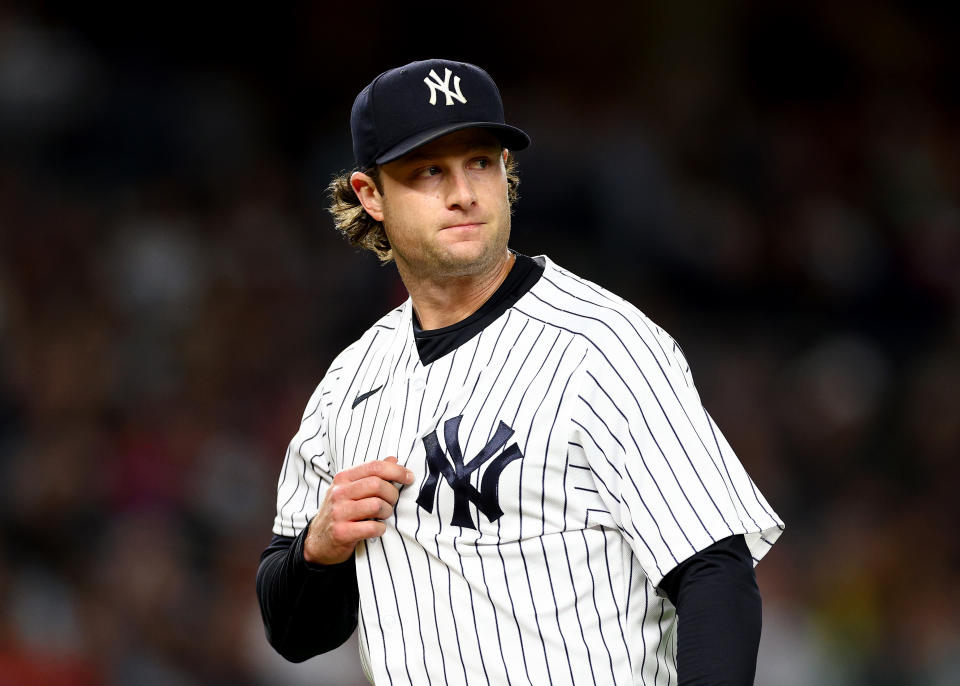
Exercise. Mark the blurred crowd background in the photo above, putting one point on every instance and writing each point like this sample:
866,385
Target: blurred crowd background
776,184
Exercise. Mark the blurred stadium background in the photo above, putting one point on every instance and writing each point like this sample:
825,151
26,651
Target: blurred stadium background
777,184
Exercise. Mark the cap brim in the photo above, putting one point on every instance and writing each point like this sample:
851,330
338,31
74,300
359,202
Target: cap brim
511,137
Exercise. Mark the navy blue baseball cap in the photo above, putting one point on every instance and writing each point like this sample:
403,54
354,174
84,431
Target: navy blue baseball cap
409,106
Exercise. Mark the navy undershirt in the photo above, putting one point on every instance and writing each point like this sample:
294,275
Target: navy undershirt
311,609
432,344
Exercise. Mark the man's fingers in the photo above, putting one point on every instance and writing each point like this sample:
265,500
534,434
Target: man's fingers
369,487
341,523
370,529
349,533
353,508
377,508
388,470
359,510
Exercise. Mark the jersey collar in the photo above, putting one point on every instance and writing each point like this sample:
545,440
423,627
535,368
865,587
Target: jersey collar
432,344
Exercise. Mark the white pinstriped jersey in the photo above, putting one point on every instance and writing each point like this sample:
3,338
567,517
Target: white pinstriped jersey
564,465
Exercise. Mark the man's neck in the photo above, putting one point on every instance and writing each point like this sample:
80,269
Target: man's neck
440,302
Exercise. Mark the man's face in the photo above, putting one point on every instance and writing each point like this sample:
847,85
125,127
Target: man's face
444,206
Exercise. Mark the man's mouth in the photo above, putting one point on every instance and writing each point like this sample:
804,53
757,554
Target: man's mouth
463,225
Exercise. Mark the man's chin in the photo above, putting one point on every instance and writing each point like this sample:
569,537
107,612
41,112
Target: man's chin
467,258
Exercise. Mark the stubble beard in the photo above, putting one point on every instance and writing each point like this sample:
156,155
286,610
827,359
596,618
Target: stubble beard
434,261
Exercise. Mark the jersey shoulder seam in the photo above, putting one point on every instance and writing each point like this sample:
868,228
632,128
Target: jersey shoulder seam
631,320
384,329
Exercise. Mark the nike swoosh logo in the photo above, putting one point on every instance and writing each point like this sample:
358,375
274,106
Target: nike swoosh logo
363,396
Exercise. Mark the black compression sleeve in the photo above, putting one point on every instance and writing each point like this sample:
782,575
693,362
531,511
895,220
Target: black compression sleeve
307,609
718,614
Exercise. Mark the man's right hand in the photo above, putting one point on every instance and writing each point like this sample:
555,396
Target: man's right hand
355,504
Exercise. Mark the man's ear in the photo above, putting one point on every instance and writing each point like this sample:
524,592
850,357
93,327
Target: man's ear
367,194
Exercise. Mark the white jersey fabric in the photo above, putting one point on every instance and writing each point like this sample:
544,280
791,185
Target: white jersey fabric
573,466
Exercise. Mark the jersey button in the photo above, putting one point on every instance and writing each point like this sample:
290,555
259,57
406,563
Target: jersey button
418,385
389,621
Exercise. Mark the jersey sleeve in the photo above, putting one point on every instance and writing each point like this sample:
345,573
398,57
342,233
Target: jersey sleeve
668,476
308,467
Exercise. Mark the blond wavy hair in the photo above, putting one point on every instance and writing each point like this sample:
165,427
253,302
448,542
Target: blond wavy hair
362,230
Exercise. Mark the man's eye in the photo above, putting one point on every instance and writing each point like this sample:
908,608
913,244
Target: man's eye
481,163
432,170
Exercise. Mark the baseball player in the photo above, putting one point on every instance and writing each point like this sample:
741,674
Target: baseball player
510,478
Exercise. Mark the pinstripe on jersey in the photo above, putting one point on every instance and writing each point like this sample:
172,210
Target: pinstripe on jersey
623,475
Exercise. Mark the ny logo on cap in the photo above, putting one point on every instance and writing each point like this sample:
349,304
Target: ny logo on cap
444,87
458,473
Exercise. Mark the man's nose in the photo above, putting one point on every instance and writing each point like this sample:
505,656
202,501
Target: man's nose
460,192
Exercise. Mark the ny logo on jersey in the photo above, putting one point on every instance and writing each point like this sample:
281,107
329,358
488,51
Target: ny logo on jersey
444,87
458,474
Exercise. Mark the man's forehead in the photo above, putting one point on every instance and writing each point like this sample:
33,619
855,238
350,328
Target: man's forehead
465,139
